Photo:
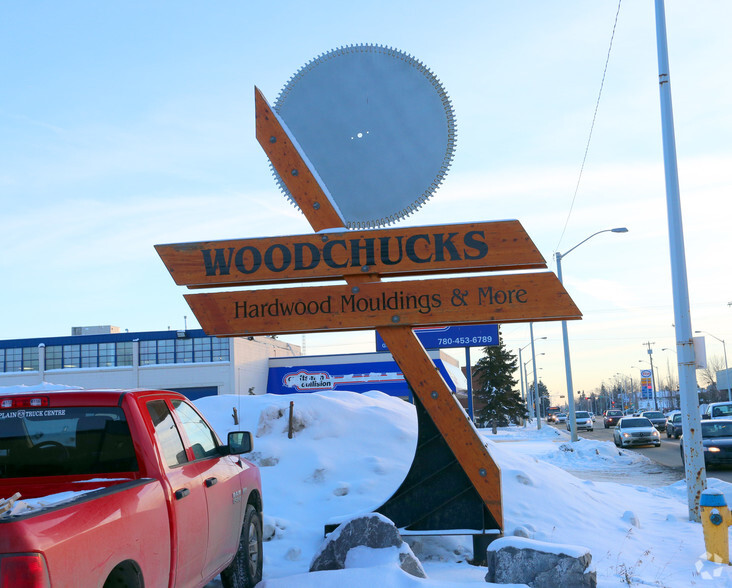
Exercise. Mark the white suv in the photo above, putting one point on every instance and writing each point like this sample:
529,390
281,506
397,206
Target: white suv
583,420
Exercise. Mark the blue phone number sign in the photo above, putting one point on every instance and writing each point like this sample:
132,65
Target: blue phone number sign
441,337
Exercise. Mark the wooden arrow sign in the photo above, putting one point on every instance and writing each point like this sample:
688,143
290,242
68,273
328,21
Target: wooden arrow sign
501,245
369,305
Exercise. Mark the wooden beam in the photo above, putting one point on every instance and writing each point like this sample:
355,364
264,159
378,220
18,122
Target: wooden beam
301,180
464,443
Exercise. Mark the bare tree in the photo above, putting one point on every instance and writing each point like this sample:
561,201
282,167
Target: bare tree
708,375
708,379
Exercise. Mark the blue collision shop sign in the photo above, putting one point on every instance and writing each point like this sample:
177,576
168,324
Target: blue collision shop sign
463,336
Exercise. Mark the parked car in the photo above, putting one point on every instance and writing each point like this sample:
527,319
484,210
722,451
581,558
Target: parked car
152,496
611,417
636,431
718,410
583,420
656,417
560,417
673,426
716,441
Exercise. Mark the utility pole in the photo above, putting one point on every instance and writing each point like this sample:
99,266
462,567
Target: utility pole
537,405
694,470
654,386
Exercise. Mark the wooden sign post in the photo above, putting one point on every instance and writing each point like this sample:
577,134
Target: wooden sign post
361,258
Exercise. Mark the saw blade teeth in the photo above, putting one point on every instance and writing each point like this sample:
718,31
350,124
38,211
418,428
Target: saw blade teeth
380,218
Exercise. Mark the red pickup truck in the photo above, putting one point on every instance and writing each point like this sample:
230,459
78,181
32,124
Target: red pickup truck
124,488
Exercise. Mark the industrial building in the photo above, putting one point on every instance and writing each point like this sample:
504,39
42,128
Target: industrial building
197,365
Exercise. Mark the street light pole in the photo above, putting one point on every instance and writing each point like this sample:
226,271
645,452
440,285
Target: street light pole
694,470
529,401
528,398
632,392
565,338
521,377
726,369
654,383
536,379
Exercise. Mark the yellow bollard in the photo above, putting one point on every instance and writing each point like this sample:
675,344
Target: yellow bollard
716,518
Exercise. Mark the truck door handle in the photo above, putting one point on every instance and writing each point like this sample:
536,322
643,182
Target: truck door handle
211,482
182,493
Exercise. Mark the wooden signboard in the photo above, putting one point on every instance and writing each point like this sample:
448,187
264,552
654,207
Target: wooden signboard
454,301
501,245
361,258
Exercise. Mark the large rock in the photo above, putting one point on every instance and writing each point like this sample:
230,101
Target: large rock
518,560
372,531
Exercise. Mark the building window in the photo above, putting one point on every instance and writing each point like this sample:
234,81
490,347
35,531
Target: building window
166,351
72,356
13,360
30,359
54,357
184,351
19,359
219,349
202,349
124,353
106,355
148,352
90,356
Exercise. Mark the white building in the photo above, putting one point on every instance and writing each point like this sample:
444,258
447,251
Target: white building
103,357
197,365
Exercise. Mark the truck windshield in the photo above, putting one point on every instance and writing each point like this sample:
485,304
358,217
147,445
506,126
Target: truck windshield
64,441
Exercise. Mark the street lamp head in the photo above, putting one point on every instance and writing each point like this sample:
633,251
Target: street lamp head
619,230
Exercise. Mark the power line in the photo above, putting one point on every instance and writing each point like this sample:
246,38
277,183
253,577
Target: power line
592,127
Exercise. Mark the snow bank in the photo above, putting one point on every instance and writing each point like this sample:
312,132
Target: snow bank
350,452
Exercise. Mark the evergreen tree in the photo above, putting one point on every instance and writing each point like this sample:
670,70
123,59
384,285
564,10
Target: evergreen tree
494,383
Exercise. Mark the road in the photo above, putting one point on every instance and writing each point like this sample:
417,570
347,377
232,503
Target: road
668,456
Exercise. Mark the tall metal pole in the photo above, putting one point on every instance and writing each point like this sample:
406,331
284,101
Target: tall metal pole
571,419
696,475
654,383
529,396
536,378
521,377
632,393
567,365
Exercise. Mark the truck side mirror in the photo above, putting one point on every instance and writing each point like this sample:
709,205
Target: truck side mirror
239,442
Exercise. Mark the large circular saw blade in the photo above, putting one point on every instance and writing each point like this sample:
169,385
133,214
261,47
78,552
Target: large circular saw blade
378,127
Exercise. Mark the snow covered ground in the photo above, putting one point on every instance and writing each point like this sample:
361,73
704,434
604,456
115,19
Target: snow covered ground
351,451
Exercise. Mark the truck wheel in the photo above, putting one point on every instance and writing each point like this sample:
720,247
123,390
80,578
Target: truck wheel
246,569
125,575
